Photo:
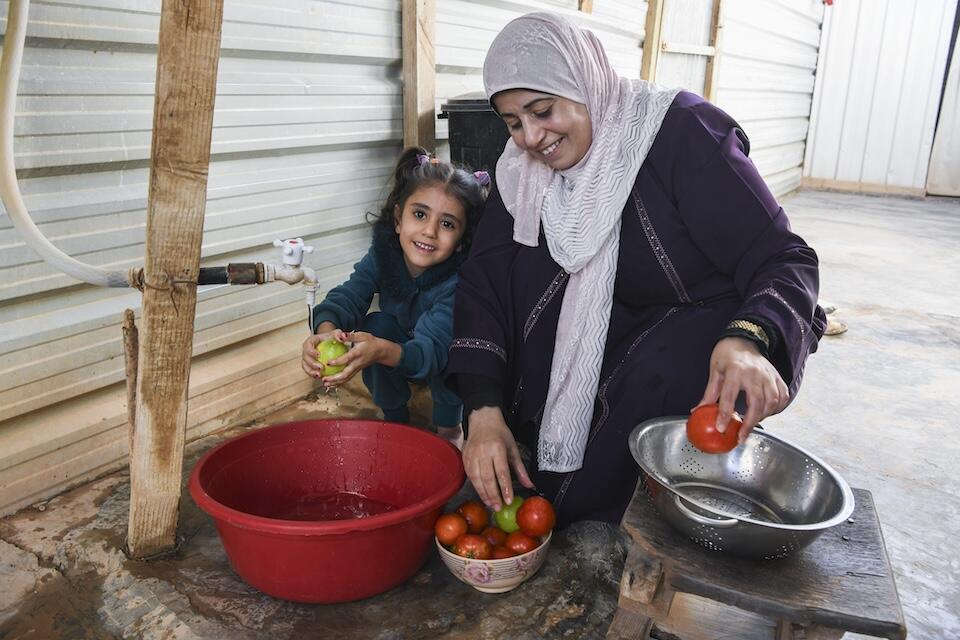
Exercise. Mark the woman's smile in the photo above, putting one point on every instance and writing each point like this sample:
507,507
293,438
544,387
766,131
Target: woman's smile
546,153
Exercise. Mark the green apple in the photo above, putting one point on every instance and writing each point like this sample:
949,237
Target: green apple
507,516
328,350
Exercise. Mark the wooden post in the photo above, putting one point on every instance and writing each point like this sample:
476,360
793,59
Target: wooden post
187,58
713,62
131,341
586,6
419,74
651,40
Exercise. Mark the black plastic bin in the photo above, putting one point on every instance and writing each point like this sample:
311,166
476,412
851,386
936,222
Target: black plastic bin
477,134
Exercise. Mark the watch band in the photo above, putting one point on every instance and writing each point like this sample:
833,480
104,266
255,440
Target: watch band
753,329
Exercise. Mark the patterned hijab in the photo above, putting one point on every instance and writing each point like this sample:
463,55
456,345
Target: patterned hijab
579,208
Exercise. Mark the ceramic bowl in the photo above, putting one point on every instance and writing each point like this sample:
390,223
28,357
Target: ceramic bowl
496,576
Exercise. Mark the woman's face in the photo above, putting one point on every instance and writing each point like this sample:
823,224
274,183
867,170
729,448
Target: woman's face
554,130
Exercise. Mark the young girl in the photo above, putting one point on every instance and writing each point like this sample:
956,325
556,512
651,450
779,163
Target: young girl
420,238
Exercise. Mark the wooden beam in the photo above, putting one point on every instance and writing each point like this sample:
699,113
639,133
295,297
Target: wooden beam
419,74
586,6
689,49
188,53
131,348
651,40
716,41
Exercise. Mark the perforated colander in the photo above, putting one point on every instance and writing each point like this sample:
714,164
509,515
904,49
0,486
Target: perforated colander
767,498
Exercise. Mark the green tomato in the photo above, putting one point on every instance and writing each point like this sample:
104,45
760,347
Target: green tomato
329,350
507,516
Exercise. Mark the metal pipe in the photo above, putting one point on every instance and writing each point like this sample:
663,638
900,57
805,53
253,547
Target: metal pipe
233,273
9,189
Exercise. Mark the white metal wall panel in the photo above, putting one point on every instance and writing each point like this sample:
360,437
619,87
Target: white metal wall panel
944,175
878,89
307,124
765,80
465,30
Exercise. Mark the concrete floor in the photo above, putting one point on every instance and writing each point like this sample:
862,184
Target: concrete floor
878,403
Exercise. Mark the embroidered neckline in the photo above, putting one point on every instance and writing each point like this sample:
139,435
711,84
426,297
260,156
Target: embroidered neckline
394,276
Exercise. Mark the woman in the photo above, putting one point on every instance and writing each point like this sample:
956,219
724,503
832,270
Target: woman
630,263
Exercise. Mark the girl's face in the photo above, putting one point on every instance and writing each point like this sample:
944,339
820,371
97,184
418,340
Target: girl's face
554,130
430,227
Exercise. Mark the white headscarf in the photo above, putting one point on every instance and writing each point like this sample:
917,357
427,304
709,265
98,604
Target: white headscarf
580,208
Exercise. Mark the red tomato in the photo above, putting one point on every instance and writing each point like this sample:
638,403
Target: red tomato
519,542
449,527
702,430
536,516
495,535
502,552
475,514
470,545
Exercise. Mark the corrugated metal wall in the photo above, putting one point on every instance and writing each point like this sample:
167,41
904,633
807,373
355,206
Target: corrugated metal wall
308,120
766,67
880,80
466,28
765,79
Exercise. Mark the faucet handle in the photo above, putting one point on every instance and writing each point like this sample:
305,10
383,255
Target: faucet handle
291,250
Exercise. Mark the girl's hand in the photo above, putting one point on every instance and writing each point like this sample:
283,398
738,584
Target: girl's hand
308,353
736,365
488,454
367,349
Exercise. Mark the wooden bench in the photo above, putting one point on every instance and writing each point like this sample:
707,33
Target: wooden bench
677,589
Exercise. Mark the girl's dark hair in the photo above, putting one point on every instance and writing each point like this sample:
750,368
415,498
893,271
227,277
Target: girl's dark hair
415,169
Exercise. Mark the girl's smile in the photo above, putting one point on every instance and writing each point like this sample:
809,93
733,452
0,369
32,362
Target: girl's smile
429,228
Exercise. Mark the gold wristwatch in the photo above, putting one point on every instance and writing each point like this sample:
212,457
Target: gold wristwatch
753,329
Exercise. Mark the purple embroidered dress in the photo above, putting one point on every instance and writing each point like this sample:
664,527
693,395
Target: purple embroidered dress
703,241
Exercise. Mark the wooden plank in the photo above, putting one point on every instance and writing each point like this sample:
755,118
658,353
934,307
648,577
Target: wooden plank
187,58
131,348
419,73
695,618
688,49
790,631
716,41
629,625
860,595
58,469
651,40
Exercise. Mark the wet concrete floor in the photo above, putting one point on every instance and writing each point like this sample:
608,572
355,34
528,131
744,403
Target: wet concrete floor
878,403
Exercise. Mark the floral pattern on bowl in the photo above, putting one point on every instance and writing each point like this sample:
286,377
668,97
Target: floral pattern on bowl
496,576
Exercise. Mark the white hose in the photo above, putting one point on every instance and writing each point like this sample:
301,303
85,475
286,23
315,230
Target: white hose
9,189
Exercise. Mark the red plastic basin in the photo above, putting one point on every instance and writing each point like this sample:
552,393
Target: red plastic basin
263,488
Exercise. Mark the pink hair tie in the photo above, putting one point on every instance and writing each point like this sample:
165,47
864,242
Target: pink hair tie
422,159
482,177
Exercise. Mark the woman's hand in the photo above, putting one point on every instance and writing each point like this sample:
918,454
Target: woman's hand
488,454
736,365
367,349
308,354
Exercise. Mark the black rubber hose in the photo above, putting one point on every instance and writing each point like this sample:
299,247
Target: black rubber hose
233,273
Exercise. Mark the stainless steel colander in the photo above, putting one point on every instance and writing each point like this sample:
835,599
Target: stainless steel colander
765,499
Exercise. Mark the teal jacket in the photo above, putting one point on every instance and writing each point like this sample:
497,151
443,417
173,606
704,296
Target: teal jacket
422,306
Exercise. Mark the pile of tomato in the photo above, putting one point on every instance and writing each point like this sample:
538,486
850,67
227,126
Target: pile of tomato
516,529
